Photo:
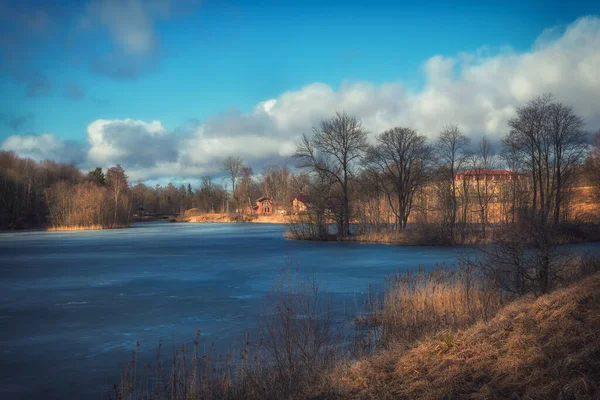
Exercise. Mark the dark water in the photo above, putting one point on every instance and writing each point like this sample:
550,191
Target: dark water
73,305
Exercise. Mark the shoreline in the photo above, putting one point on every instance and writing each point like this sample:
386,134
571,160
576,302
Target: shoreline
233,219
83,228
404,239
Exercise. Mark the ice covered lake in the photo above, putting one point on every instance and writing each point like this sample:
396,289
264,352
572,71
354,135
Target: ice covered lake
74,304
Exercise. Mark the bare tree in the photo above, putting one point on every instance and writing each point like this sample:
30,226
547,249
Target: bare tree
233,166
569,144
337,145
451,150
399,159
527,136
116,181
482,161
276,182
551,139
245,187
592,166
513,192
524,258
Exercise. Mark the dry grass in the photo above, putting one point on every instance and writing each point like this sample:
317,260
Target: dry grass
421,303
193,215
216,217
75,228
417,236
547,347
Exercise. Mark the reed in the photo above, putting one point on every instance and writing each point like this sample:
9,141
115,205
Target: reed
416,304
92,227
75,228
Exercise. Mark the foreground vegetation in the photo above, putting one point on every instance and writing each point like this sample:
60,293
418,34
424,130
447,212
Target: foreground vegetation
542,348
438,334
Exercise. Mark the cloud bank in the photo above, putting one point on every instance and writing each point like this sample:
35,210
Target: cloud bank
478,91
45,147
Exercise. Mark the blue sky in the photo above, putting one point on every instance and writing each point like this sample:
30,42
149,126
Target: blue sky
191,65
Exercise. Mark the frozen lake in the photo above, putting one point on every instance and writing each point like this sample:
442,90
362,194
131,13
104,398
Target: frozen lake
73,305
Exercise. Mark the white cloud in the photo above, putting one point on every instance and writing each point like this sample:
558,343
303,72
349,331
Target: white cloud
44,147
131,143
478,91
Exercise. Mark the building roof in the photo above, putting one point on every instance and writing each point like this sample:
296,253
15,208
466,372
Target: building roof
480,172
263,198
489,172
303,198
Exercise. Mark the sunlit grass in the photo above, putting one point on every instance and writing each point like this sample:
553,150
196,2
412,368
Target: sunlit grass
93,227
75,228
533,348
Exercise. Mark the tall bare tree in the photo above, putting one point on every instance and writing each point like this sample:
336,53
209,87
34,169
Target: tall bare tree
513,192
592,166
233,167
451,151
569,143
481,161
400,159
116,181
245,187
276,182
527,135
337,146
551,138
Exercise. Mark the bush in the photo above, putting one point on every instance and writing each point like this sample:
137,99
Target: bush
418,304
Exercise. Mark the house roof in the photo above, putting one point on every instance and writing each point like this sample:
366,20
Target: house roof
480,172
303,198
263,198
488,172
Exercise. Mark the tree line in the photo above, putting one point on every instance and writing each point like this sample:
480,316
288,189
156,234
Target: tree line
413,178
49,194
398,180
54,195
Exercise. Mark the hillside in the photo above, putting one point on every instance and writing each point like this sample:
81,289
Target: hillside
547,348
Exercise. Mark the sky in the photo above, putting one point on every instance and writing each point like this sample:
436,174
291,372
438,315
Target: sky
169,88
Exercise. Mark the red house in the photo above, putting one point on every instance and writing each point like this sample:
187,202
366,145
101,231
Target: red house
264,206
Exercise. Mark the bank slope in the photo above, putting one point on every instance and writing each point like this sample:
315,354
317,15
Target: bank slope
543,348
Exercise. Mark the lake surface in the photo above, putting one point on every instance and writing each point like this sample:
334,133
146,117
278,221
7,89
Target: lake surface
74,304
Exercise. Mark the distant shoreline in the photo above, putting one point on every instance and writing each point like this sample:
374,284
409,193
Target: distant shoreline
233,219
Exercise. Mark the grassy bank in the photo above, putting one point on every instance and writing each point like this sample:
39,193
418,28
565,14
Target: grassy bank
534,348
84,228
195,216
434,235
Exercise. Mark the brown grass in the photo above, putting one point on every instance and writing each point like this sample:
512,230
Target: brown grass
419,235
75,228
547,347
193,215
418,304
